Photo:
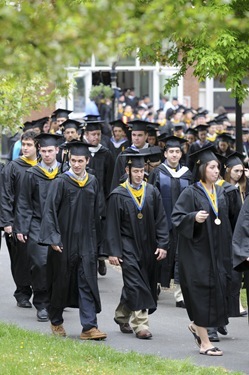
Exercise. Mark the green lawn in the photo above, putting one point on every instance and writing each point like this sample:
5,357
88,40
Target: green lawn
23,352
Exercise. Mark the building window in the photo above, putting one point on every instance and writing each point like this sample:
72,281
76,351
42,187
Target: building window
79,95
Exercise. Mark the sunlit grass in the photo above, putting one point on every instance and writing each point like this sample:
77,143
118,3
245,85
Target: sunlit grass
24,352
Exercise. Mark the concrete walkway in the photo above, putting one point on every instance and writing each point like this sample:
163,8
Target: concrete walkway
171,337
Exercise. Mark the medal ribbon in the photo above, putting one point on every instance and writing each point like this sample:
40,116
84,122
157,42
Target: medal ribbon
137,193
212,197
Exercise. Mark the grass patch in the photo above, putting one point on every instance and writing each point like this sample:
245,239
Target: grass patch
25,352
243,298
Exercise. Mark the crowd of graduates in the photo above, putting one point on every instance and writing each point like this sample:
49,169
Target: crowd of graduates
77,191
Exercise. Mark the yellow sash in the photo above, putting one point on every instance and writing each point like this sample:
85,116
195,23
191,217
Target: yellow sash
50,175
29,161
138,195
82,182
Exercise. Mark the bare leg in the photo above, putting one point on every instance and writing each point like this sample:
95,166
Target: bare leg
205,342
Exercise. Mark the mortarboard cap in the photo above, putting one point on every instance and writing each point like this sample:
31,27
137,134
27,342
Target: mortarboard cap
90,126
221,118
138,125
92,118
245,130
179,125
26,126
60,112
152,128
118,124
77,148
202,127
163,137
172,141
39,123
71,124
191,131
224,137
200,115
204,155
133,158
152,154
46,139
188,110
236,158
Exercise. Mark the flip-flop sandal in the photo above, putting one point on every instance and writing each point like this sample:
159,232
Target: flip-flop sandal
212,352
196,337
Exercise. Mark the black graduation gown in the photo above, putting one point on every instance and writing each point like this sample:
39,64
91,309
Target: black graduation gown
116,150
71,221
241,244
135,241
29,214
204,257
241,239
31,202
13,175
102,164
170,188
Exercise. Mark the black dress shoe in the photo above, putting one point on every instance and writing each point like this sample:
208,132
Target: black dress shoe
212,334
24,303
181,304
42,315
102,267
223,330
243,313
124,327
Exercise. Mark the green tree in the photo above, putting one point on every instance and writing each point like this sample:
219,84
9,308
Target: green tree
45,37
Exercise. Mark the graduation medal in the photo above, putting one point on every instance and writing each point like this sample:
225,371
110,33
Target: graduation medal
212,198
217,221
135,195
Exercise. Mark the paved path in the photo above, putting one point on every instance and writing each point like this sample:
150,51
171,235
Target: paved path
171,338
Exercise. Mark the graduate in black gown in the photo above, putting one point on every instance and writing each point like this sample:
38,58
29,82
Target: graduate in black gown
12,182
236,186
102,164
201,219
29,214
119,140
171,178
71,228
136,238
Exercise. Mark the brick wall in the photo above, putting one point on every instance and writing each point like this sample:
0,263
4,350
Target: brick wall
191,88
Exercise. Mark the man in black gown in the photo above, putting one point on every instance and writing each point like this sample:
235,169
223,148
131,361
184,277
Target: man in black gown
136,238
71,228
171,178
13,174
29,213
102,165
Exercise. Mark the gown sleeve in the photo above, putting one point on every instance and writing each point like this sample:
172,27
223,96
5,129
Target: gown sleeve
113,240
240,241
50,230
24,206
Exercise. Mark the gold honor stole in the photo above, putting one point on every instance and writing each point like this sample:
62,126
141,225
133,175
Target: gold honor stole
50,175
29,161
81,183
138,196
